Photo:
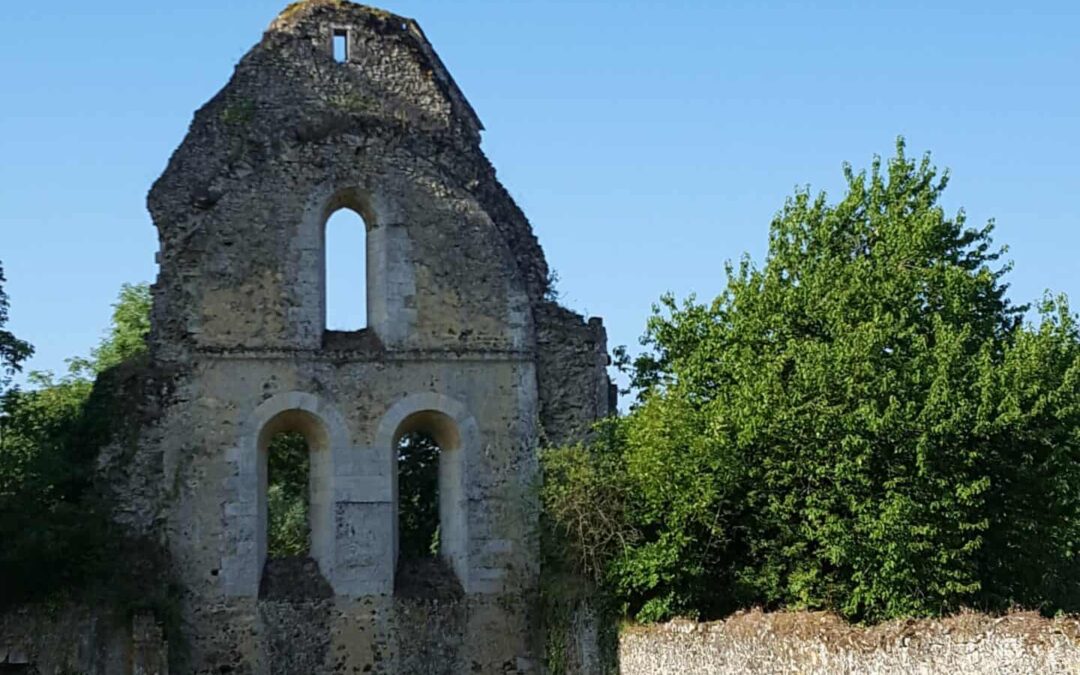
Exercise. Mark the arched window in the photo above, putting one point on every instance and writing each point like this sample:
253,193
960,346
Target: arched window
295,511
431,502
346,271
288,532
418,495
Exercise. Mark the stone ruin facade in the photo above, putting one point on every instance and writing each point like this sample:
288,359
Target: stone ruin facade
463,342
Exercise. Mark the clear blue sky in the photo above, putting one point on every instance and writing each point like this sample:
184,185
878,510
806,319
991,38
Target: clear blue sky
648,142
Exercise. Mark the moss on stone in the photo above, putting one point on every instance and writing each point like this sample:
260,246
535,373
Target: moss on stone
239,112
294,12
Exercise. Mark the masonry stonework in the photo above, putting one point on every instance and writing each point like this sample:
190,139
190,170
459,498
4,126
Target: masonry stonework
816,643
460,337
461,342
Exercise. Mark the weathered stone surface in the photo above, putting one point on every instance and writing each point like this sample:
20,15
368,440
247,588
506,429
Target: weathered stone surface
815,643
81,639
460,343
572,359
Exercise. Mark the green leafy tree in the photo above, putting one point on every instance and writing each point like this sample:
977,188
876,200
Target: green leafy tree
126,337
863,424
288,464
51,523
418,495
1030,420
13,351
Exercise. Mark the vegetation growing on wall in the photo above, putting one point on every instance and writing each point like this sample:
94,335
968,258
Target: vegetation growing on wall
574,607
863,424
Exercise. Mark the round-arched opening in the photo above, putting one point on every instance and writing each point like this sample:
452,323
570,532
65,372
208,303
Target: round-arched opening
288,474
299,422
345,271
431,507
440,427
418,455
294,515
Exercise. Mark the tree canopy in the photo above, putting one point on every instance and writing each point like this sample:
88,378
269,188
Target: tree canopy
13,351
51,522
863,424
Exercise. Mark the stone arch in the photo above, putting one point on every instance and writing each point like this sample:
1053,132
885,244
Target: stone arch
457,434
345,271
390,285
246,513
320,481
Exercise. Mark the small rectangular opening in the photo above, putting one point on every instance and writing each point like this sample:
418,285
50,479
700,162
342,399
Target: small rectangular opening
341,45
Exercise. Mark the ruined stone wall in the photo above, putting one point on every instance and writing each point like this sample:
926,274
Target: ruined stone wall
81,639
821,644
458,328
572,360
459,335
241,207
214,525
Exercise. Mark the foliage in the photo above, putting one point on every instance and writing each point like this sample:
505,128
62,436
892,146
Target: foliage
586,500
574,612
864,425
1032,444
418,496
288,464
51,520
586,491
50,536
13,351
126,338
551,286
239,112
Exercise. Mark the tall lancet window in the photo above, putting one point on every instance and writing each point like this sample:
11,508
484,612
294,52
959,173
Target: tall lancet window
346,271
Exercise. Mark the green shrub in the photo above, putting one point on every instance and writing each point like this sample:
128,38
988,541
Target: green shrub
864,424
53,525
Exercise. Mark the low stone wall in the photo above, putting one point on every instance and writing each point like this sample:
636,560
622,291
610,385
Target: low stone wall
809,642
79,639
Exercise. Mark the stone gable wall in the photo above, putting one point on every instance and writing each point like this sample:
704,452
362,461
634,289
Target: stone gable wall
459,329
